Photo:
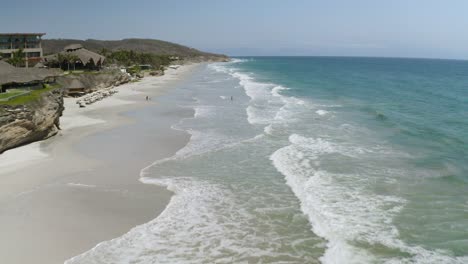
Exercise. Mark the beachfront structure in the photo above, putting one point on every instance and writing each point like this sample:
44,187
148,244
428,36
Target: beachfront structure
22,78
75,89
30,43
84,58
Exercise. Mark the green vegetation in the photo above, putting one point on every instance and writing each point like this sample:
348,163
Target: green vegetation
18,58
62,59
34,95
11,93
152,46
134,69
130,57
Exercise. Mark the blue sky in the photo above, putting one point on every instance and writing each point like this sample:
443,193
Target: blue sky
391,28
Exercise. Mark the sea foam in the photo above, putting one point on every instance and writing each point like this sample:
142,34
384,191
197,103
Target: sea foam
209,221
340,208
267,104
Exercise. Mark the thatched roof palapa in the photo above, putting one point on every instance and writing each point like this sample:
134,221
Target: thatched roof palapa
87,56
76,84
73,47
10,74
4,66
84,55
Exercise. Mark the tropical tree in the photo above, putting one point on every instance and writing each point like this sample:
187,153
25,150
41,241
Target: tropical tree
105,52
60,59
18,58
73,58
67,58
130,57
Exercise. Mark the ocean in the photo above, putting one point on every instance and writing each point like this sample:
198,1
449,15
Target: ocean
313,160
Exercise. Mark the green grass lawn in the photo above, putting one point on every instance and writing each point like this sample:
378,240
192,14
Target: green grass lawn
11,93
34,95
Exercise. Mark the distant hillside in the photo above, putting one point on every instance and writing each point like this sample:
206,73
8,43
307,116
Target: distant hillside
142,45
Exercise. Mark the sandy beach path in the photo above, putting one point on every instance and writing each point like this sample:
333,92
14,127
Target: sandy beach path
62,196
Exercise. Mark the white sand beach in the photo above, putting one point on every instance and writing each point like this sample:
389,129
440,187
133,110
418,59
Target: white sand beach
62,196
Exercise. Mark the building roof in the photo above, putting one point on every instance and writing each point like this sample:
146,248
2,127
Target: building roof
22,34
84,55
75,84
73,47
10,74
4,66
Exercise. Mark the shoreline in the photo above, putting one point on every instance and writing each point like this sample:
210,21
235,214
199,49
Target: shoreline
82,186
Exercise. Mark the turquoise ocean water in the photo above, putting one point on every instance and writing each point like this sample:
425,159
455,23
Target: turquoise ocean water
316,160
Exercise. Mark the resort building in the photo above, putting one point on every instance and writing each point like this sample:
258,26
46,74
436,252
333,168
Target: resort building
30,43
82,58
24,79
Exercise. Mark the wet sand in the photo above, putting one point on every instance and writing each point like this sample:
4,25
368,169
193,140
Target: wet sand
62,196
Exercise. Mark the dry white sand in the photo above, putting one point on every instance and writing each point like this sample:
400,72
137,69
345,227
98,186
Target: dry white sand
62,196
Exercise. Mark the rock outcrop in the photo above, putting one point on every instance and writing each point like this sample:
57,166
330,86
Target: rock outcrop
37,120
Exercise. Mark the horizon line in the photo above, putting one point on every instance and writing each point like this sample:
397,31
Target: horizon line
348,56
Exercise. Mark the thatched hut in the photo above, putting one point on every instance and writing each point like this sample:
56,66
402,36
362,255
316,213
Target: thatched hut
85,58
75,88
12,77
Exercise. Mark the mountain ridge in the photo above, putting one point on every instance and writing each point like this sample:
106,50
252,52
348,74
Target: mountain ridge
155,46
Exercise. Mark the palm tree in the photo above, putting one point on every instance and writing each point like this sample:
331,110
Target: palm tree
73,58
60,59
68,58
18,58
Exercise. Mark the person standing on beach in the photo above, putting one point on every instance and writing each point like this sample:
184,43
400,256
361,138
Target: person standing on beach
146,98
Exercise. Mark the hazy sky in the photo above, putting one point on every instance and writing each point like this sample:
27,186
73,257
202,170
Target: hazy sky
402,28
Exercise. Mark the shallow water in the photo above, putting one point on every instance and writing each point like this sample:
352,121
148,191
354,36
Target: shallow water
333,160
